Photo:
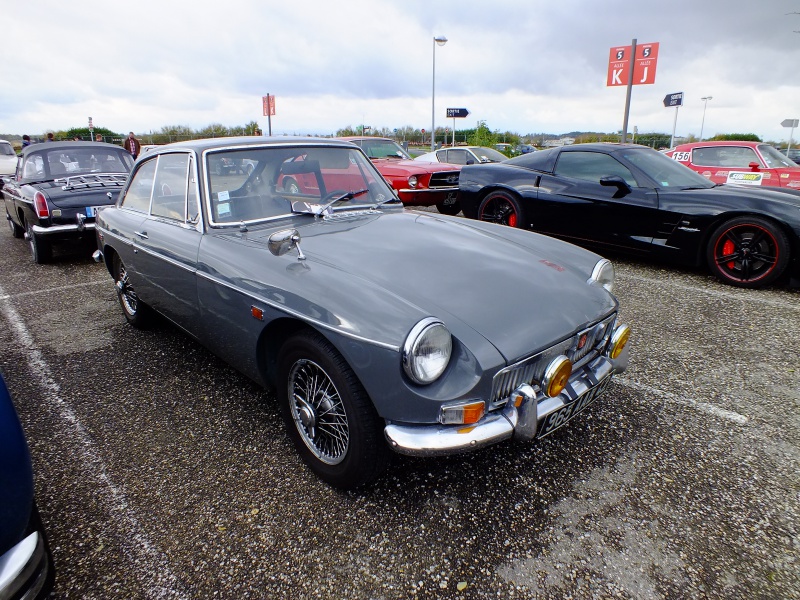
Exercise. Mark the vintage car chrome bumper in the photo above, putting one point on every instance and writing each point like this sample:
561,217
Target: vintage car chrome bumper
56,229
436,190
521,423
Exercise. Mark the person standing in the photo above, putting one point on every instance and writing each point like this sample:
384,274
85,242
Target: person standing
98,138
26,140
132,145
50,137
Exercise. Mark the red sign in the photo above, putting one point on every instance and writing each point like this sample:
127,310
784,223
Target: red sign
269,105
644,65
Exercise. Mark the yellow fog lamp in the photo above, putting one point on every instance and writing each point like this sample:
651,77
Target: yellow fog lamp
462,414
618,340
556,376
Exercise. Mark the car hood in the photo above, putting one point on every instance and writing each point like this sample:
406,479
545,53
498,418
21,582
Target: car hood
784,196
392,166
519,290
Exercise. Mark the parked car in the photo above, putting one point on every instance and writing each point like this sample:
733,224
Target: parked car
746,163
416,184
633,199
57,190
381,329
26,565
792,153
8,158
524,149
463,155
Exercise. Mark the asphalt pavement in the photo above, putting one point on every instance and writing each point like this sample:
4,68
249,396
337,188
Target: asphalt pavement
161,472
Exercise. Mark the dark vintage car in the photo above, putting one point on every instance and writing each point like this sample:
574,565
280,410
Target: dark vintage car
58,187
327,293
633,199
26,565
416,183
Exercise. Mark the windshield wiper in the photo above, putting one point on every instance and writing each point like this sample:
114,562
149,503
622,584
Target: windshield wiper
324,209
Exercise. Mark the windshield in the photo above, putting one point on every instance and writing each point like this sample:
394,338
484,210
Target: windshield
68,162
7,149
488,155
257,183
665,171
382,149
774,158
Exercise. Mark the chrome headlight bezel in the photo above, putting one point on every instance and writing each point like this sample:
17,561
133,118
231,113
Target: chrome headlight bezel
413,181
422,365
603,274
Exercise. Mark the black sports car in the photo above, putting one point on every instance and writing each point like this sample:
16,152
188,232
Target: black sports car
633,199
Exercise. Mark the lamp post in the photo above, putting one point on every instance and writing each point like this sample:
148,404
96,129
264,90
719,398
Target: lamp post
703,122
441,41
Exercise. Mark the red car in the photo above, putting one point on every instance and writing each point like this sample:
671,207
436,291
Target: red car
747,163
417,183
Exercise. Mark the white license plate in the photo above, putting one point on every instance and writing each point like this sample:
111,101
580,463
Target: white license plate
555,420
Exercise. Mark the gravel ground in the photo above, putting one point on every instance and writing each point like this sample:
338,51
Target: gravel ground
163,473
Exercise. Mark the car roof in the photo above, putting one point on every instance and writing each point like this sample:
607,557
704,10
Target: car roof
224,142
722,143
44,146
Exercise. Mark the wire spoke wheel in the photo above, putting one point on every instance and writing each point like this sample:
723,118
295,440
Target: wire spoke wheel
748,252
318,412
127,295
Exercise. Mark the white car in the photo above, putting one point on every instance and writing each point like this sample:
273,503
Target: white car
463,155
8,158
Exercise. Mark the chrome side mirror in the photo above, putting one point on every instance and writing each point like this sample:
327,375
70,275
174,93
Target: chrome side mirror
283,241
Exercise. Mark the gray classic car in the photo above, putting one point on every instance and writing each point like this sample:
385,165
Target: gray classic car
379,328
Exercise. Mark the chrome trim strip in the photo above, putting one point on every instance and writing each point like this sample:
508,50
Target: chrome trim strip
430,190
39,230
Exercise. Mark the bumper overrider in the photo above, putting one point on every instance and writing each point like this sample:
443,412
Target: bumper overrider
26,570
528,413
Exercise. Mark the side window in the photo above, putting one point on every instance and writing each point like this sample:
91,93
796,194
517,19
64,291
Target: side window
457,157
725,156
169,191
192,205
592,166
137,197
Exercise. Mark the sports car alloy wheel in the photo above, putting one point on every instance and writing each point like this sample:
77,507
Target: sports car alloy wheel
748,252
318,412
501,208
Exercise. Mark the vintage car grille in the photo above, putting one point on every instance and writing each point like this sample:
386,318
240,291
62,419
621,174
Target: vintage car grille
580,349
444,179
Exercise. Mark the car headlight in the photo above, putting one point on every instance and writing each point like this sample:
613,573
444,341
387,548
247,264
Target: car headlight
603,273
427,351
412,181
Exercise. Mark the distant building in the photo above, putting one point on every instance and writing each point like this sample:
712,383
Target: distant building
565,141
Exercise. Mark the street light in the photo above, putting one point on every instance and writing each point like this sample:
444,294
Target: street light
703,122
441,41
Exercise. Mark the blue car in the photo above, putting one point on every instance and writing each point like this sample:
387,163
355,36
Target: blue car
26,566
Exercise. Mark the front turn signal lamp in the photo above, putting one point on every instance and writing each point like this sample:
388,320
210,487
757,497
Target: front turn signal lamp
556,376
462,414
619,340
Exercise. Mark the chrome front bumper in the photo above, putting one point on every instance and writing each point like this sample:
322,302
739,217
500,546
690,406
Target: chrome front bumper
56,229
25,568
521,423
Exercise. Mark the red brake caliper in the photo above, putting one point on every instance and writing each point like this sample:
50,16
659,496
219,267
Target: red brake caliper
728,248
512,220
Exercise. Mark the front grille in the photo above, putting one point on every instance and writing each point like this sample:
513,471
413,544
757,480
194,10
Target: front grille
531,370
444,179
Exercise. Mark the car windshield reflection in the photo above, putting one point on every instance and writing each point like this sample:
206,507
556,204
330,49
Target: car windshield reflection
257,183
666,171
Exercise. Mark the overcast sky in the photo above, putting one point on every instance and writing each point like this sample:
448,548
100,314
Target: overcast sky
520,65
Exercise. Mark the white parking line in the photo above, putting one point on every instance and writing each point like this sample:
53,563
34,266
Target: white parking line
159,582
701,406
749,296
62,288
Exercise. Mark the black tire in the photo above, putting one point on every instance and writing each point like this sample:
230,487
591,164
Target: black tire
290,186
449,209
502,208
136,312
41,249
16,230
335,427
748,252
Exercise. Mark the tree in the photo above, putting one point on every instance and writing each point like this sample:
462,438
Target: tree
482,136
736,137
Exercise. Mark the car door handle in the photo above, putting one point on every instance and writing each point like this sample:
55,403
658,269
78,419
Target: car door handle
141,234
